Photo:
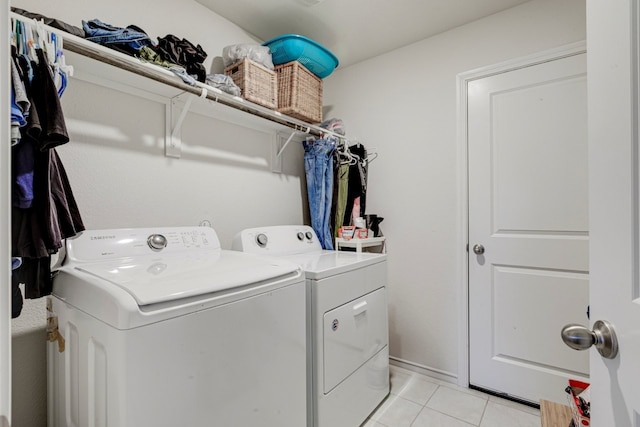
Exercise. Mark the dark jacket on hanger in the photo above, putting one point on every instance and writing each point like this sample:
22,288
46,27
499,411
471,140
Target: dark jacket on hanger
357,183
37,231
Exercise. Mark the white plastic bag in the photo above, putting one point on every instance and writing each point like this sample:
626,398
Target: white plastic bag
255,52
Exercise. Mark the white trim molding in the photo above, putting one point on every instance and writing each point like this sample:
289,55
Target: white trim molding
5,223
438,374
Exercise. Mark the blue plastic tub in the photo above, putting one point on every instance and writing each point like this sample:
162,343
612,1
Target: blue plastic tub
293,47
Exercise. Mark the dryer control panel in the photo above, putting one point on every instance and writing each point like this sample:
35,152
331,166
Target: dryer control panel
277,240
94,245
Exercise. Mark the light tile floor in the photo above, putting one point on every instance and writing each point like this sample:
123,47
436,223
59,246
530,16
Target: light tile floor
420,401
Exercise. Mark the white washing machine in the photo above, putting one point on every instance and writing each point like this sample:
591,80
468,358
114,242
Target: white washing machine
162,328
348,328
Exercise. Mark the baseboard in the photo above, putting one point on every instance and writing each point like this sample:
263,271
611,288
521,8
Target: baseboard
424,370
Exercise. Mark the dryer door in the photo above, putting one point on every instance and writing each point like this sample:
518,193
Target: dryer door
353,334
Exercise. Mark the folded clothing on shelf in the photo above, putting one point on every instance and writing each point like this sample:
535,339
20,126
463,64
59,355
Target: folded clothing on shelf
224,83
133,40
128,40
184,53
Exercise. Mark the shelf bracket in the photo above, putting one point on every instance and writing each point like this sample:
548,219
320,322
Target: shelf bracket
278,147
173,139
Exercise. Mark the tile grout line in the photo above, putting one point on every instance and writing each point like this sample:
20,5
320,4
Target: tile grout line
443,413
455,418
485,397
486,402
484,411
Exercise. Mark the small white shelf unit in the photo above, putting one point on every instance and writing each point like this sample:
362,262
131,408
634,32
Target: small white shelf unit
359,244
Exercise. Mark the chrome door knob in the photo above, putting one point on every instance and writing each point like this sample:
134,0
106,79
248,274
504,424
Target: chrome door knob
478,249
603,337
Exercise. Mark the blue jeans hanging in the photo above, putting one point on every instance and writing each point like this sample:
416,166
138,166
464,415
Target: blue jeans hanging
318,164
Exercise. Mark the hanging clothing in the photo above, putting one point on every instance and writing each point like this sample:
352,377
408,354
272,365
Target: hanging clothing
357,197
340,178
22,159
20,104
16,298
341,191
53,130
16,295
37,232
35,273
44,209
54,198
318,162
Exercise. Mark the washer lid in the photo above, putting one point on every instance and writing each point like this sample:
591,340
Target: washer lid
155,279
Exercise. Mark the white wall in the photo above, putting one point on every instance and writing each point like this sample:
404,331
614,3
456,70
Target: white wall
404,104
120,177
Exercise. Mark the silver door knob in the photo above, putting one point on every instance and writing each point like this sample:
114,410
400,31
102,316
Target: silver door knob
603,337
478,249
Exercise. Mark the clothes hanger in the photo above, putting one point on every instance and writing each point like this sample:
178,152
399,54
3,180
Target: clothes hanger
20,39
351,159
55,56
14,39
356,143
372,155
354,159
61,62
31,43
45,42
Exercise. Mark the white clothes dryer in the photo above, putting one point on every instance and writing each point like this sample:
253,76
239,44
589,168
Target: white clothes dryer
348,363
163,328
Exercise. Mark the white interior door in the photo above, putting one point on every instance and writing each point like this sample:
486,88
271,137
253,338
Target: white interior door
614,182
528,209
5,230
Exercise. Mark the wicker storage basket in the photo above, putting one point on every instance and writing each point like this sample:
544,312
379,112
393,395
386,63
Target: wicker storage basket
299,92
258,83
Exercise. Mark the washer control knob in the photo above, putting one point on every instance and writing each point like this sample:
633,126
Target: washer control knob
300,235
309,235
157,242
261,240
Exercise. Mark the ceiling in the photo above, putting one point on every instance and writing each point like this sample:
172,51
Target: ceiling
355,30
